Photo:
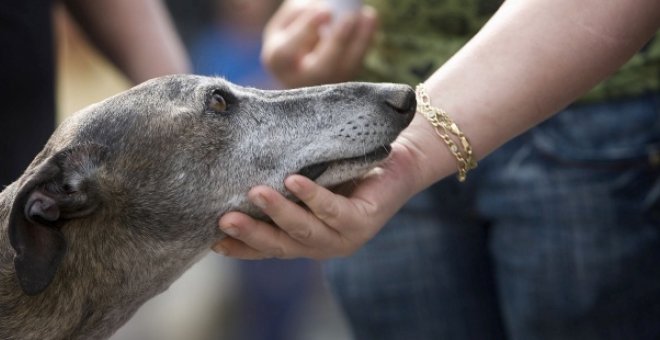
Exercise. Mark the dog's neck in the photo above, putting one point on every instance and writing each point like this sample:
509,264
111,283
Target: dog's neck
94,292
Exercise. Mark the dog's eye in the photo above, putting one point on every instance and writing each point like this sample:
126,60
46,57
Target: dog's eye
217,103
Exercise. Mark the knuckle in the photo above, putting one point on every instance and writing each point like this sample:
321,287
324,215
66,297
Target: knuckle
347,247
328,212
277,252
301,234
278,248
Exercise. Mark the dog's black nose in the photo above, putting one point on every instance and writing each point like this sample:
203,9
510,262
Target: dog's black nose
402,99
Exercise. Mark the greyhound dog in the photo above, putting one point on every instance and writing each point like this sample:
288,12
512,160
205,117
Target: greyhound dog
126,194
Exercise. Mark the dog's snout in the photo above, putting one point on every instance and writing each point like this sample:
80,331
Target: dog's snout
401,99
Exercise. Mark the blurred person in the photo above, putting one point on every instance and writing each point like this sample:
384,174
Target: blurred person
556,235
272,292
137,36
230,45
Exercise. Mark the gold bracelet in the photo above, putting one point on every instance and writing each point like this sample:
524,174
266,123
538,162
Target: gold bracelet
445,128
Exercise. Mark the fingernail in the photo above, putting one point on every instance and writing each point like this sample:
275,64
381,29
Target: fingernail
293,185
230,230
259,200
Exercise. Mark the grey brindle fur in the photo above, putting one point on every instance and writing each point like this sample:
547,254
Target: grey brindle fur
127,193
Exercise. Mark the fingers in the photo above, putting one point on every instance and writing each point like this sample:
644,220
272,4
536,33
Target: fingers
237,249
301,48
286,45
332,225
254,239
305,227
340,224
285,14
323,60
354,218
304,32
348,41
364,34
301,234
323,203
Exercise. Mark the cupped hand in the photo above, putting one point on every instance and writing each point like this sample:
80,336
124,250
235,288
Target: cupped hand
302,48
329,224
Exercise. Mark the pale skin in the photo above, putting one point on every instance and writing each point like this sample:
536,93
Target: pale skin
137,36
532,59
300,53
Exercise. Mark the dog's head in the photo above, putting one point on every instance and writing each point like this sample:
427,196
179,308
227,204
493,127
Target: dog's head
167,157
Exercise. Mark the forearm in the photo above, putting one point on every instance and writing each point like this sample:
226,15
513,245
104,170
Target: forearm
136,35
532,59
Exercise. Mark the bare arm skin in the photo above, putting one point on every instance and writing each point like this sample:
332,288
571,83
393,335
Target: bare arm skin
137,36
532,59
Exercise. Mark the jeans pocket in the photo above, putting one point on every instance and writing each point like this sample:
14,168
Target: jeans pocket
612,146
614,133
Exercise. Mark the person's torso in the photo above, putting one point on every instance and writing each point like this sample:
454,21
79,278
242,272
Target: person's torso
417,36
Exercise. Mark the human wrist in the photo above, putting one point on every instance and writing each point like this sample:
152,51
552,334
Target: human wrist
448,131
431,155
427,159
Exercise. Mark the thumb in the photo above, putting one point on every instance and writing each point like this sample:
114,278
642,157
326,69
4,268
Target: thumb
387,187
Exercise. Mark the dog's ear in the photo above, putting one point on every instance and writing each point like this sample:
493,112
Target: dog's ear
62,187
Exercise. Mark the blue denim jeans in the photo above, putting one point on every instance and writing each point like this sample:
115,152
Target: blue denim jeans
554,236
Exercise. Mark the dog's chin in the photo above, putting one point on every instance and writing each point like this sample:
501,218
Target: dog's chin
328,173
333,172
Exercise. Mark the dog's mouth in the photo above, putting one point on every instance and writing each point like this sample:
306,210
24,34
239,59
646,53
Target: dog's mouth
315,170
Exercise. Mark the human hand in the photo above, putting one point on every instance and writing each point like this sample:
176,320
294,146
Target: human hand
299,52
330,225
327,224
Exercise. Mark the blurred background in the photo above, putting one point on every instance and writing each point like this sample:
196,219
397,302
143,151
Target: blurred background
218,298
